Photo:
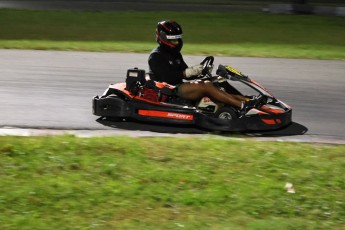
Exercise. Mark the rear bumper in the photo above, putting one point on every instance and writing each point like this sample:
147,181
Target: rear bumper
110,107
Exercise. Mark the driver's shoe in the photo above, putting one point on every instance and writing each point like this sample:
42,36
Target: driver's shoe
249,97
249,103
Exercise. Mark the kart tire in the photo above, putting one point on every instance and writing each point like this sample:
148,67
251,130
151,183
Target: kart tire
226,113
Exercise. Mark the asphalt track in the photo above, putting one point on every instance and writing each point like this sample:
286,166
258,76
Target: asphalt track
53,90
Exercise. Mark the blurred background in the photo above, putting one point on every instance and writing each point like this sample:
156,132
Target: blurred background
330,7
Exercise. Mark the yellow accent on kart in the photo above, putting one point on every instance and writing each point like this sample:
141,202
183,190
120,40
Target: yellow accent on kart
233,70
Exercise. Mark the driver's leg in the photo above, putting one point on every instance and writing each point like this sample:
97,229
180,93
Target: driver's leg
197,90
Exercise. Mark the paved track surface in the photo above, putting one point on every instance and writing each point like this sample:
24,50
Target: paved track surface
53,89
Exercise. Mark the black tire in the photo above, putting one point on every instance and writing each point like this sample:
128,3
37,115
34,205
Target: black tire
226,113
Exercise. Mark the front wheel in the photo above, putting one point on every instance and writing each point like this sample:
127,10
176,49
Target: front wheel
226,113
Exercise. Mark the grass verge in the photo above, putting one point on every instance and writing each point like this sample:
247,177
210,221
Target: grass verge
230,34
64,182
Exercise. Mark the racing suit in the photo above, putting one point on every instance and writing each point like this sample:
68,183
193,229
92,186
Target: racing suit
166,66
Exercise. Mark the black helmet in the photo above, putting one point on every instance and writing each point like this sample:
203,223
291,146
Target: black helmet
169,34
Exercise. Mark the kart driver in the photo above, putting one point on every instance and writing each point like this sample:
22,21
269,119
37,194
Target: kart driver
167,65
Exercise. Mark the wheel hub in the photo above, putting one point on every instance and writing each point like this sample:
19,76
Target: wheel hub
225,116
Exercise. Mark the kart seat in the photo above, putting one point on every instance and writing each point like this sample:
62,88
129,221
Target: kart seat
139,83
161,87
156,91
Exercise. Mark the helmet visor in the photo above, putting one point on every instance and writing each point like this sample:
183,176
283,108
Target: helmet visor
173,37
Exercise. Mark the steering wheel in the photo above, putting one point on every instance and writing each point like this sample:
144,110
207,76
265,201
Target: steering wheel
207,64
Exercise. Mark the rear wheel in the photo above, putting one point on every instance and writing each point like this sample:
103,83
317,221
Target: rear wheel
226,113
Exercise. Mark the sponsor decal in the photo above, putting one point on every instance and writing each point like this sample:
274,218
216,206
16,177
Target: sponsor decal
164,114
180,116
233,70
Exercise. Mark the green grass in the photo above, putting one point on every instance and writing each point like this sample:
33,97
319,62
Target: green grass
231,34
64,182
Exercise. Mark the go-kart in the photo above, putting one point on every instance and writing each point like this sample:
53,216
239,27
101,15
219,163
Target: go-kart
145,100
